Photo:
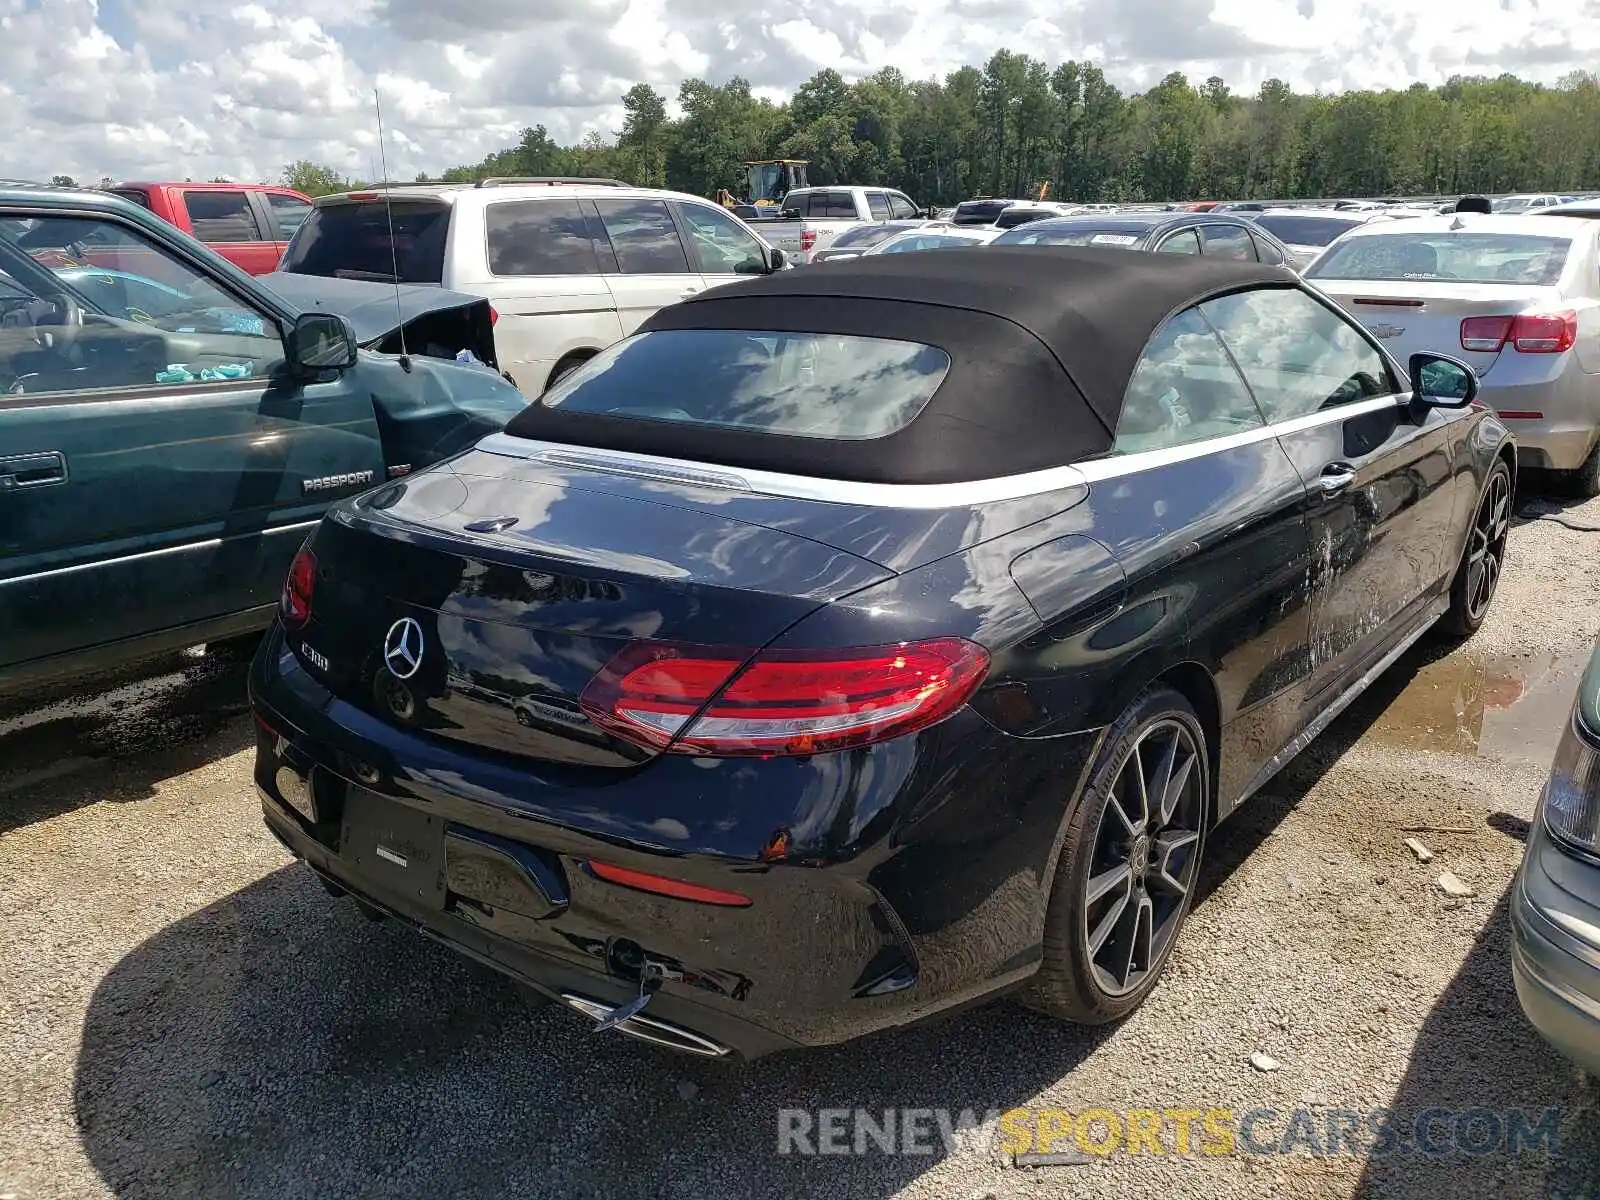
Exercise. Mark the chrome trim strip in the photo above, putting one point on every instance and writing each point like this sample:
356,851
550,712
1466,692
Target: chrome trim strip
117,560
911,495
1115,466
798,487
165,551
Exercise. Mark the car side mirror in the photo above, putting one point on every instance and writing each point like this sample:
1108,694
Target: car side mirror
322,342
1442,382
776,260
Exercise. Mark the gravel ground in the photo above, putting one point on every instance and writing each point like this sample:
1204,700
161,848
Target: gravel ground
185,1013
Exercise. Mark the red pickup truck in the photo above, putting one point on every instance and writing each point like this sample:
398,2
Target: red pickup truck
249,224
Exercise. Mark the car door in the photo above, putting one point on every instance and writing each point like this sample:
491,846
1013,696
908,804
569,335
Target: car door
281,213
1204,512
156,472
901,208
227,222
722,248
1180,241
878,205
547,285
652,267
1377,471
1226,240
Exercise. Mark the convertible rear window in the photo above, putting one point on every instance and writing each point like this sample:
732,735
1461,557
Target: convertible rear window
1447,255
797,384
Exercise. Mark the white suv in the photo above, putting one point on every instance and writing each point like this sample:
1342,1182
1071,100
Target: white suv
569,265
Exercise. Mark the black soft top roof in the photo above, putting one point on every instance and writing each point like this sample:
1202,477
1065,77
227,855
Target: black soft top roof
1042,340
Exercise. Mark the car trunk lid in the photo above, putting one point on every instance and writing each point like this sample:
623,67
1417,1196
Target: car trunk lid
476,608
1410,317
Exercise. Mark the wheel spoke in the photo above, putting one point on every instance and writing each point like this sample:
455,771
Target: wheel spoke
1161,780
1107,925
1177,782
1142,790
1108,881
1141,946
1129,826
1168,845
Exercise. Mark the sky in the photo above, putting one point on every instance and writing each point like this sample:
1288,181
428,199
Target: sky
172,89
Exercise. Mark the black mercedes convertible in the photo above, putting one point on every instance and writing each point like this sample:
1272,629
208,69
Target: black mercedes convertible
847,645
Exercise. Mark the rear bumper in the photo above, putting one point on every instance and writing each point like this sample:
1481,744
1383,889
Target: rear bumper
1561,436
919,888
556,979
1555,898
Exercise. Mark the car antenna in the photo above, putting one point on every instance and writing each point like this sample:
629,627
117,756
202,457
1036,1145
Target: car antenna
394,254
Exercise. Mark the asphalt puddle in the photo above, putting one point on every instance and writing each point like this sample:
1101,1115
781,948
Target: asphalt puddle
1507,709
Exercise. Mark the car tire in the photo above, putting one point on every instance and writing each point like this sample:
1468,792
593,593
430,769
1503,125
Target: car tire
1584,483
564,368
1477,576
1128,867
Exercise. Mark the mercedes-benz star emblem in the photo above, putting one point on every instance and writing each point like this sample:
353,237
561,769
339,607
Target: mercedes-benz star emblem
402,648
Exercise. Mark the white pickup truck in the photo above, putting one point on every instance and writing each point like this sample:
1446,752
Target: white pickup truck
812,217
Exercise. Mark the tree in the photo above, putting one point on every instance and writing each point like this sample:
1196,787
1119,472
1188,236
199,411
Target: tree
313,179
1003,127
63,181
643,142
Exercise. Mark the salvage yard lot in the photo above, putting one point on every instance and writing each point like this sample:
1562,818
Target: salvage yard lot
184,1012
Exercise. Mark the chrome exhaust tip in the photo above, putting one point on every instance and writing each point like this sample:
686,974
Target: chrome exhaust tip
649,1029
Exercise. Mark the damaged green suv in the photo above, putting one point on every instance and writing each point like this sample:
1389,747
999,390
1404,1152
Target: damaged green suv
171,428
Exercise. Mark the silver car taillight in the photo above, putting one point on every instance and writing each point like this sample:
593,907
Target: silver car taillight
1571,804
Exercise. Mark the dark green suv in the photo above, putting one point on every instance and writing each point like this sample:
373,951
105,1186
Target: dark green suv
171,428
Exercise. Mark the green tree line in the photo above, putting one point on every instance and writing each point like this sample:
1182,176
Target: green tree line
1017,122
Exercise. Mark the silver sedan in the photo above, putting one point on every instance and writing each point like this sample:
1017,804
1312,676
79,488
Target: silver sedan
1518,298
1555,902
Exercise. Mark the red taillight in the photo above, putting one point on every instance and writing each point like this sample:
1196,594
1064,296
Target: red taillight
712,701
294,607
1531,333
1485,333
362,196
494,316
808,238
1550,333
662,886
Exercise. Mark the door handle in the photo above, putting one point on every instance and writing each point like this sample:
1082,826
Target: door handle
1335,478
18,471
688,291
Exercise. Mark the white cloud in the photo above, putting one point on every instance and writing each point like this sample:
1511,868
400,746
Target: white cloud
218,87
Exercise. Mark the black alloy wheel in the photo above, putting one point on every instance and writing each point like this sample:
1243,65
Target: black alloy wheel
1129,864
1483,560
